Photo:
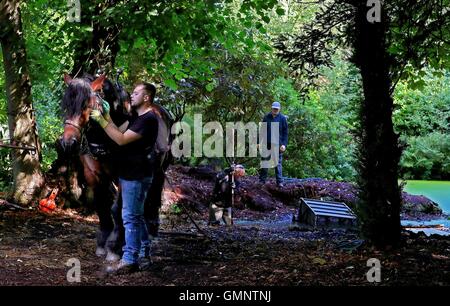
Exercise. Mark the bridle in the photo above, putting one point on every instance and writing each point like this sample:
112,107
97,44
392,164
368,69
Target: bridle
95,106
75,125
84,145
83,139
95,103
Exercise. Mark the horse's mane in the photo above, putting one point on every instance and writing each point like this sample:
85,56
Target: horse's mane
110,91
78,92
76,97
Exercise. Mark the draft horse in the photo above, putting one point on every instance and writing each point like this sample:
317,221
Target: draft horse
98,154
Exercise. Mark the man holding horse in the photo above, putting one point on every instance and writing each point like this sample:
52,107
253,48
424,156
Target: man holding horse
137,139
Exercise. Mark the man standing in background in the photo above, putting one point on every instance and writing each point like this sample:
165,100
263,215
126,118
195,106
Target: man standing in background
275,116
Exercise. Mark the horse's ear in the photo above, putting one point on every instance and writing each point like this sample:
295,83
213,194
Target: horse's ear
98,83
67,78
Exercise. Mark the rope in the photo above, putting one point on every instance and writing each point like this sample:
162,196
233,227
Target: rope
187,212
220,250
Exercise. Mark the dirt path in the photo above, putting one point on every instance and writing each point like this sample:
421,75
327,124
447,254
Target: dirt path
34,249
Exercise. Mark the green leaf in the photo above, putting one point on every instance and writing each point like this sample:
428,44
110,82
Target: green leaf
171,83
210,86
280,11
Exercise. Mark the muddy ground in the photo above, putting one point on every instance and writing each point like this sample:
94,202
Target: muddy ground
34,249
262,248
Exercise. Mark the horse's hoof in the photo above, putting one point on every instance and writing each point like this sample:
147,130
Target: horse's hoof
112,257
100,252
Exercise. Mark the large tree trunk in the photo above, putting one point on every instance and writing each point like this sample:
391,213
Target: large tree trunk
98,51
379,149
27,174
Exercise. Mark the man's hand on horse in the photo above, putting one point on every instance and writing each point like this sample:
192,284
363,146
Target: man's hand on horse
97,116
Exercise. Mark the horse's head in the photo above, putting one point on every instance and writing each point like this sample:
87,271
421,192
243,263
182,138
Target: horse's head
78,101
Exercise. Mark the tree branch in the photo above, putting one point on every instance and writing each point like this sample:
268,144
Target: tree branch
18,147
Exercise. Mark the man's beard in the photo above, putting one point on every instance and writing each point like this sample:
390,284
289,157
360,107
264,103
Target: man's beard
136,106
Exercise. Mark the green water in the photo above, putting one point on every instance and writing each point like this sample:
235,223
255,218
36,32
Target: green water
438,191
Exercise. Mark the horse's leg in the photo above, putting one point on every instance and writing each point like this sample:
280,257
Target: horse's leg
153,201
103,202
116,239
101,196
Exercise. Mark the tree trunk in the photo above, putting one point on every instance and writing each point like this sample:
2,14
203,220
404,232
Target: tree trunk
379,149
99,51
27,174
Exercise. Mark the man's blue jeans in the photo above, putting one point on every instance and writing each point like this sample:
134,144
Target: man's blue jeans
137,243
278,170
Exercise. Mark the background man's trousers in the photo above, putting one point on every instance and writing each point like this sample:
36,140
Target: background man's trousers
278,170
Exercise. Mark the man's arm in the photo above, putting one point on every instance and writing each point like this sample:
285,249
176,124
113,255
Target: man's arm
124,126
113,131
284,132
118,136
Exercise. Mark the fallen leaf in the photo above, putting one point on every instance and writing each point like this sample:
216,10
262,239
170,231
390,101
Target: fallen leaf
320,261
279,271
437,256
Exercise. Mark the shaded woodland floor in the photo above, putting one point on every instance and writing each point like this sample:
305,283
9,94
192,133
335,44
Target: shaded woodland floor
262,250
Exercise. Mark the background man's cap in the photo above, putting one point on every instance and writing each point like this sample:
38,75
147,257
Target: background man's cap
276,105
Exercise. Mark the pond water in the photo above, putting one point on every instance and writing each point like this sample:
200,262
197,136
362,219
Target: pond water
439,192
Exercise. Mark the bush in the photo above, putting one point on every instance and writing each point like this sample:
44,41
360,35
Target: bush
49,121
321,143
422,118
427,157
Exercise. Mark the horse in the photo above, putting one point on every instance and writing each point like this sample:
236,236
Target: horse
98,154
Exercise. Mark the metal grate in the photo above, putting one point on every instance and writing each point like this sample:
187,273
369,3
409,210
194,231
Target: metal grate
311,211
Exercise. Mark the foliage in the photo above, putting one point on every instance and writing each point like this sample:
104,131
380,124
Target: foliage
176,209
422,118
46,103
321,129
183,34
217,58
415,37
419,112
49,56
427,157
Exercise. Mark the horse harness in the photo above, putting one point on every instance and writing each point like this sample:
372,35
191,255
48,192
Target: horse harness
95,150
